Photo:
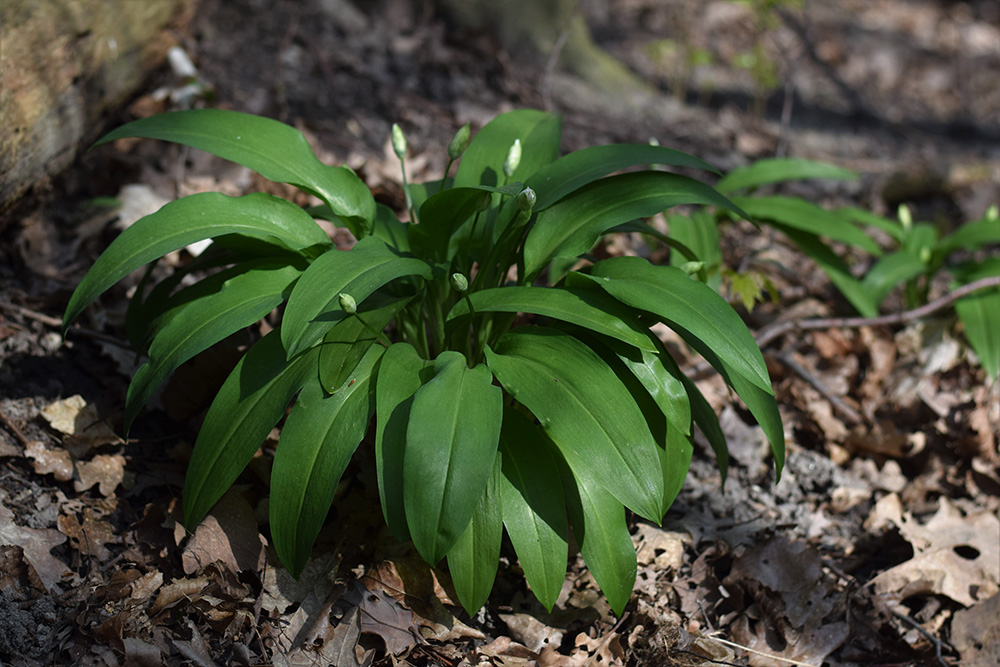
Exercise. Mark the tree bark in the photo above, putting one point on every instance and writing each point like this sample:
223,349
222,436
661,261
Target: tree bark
63,63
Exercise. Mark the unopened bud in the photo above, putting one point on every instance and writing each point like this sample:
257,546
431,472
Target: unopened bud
513,158
905,217
348,304
526,199
459,282
458,143
398,141
692,268
993,213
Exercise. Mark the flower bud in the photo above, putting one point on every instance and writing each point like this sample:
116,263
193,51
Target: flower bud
458,143
692,268
526,199
398,141
513,158
347,303
905,217
459,282
992,213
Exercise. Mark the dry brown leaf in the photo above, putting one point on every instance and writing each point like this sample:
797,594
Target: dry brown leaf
144,587
105,470
55,461
532,632
141,654
36,544
196,649
381,615
75,417
176,591
975,633
310,593
228,535
89,537
954,555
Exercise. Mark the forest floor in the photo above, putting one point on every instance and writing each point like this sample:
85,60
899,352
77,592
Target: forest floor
879,545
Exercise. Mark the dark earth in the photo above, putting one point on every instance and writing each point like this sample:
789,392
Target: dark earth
880,545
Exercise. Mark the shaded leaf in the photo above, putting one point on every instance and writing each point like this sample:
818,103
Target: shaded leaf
473,559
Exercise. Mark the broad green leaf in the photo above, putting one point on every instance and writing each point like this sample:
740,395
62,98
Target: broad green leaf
400,374
675,460
473,560
454,427
317,442
313,306
534,509
807,217
687,305
980,315
587,308
571,172
835,268
663,385
890,227
238,298
599,527
349,339
482,163
585,409
185,221
700,233
274,150
251,401
777,170
572,226
888,272
971,236
443,214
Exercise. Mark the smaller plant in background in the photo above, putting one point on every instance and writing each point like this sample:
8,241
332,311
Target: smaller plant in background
919,254
504,391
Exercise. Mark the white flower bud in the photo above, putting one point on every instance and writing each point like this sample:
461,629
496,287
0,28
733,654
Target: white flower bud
348,304
459,282
398,141
526,199
458,143
513,159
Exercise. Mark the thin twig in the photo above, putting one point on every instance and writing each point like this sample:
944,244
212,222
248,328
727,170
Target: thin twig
12,427
778,329
50,321
766,655
938,643
838,403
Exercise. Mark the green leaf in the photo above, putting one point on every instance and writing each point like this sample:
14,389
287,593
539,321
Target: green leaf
573,225
835,268
349,339
888,272
588,308
980,315
400,374
185,221
890,227
700,233
585,409
228,302
442,215
454,426
251,401
971,236
687,305
599,527
534,509
274,150
807,217
473,560
317,442
314,307
675,460
712,327
571,172
777,170
660,381
482,163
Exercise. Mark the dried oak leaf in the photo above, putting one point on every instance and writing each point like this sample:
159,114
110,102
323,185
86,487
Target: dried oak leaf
55,461
954,555
105,470
75,417
89,537
36,545
382,616
228,535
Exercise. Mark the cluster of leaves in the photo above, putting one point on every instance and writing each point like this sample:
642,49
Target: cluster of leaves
506,391
920,249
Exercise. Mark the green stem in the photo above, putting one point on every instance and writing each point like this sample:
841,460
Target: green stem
379,336
446,170
406,191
